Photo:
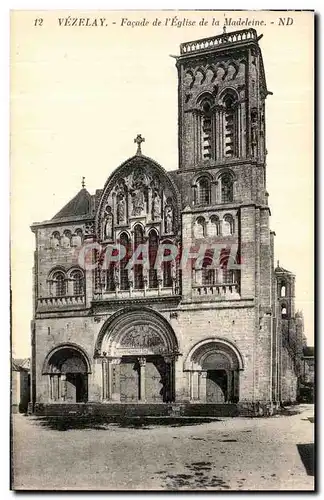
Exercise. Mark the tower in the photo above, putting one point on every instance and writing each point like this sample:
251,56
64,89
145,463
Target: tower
222,152
222,170
285,292
222,92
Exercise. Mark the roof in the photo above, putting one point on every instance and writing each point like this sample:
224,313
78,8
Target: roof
79,205
280,269
21,364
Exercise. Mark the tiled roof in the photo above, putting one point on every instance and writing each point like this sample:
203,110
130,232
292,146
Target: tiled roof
21,363
79,205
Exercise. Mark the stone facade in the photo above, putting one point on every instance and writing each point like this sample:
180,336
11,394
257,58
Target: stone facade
178,332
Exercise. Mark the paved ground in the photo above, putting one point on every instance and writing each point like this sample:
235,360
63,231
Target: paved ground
236,454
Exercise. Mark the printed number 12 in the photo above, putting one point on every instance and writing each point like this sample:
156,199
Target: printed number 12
38,21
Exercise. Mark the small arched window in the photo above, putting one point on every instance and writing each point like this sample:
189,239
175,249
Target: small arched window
55,239
283,311
66,239
200,231
226,188
59,284
228,225
283,289
78,282
215,226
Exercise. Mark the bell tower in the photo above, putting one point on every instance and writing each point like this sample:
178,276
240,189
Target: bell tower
222,91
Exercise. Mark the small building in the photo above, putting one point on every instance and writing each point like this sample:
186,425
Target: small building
20,385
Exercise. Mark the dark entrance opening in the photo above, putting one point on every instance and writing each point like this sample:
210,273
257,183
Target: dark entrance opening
68,376
76,387
146,379
217,386
158,380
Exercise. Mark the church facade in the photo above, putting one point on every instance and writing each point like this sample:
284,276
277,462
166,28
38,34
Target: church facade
161,287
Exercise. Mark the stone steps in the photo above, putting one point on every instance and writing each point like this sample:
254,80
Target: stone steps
137,410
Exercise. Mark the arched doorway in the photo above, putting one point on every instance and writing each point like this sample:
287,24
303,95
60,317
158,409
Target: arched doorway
214,366
138,348
67,368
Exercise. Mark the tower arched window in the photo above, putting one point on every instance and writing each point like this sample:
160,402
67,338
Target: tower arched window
153,249
124,242
203,191
226,188
59,283
78,282
138,268
229,127
206,130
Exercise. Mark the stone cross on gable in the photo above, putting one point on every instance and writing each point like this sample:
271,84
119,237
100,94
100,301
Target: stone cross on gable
138,140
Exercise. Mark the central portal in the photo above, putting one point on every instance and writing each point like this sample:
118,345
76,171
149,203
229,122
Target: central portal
144,380
138,349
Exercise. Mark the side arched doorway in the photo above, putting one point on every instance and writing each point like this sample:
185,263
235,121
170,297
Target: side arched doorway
137,348
214,367
67,368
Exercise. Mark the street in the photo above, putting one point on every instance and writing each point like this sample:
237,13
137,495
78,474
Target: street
226,454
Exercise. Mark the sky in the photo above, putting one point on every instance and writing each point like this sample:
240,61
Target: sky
80,95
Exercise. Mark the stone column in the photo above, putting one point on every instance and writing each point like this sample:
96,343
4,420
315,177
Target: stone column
104,366
218,134
50,388
115,382
145,279
202,386
239,131
243,127
197,136
194,385
191,394
54,387
195,380
169,360
109,379
142,363
62,387
69,288
214,197
131,282
229,398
